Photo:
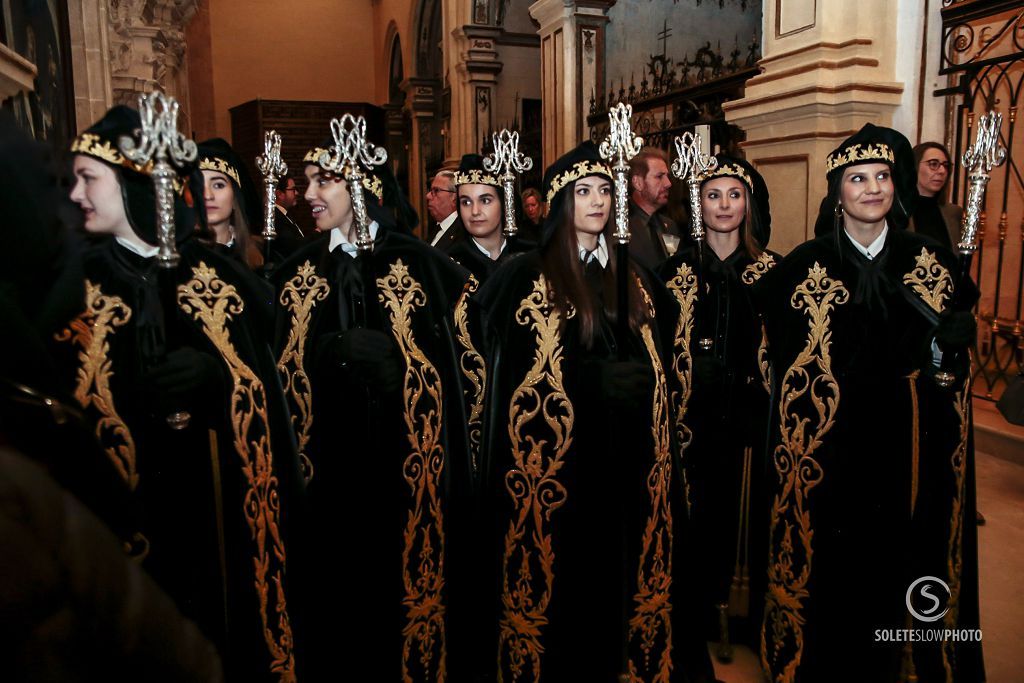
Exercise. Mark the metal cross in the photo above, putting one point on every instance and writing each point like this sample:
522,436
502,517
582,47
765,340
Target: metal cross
272,167
161,144
507,160
619,147
347,156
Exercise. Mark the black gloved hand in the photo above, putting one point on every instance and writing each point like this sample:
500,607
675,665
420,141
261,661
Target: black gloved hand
183,371
707,369
373,358
956,330
626,383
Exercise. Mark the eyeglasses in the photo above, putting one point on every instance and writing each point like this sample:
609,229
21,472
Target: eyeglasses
436,190
934,164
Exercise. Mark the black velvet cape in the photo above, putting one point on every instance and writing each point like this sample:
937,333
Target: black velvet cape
869,463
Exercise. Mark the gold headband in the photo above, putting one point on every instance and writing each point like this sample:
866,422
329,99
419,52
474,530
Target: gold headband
91,145
858,153
581,169
734,170
221,166
371,183
475,177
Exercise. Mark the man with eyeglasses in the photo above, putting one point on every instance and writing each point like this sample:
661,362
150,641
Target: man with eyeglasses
289,235
441,205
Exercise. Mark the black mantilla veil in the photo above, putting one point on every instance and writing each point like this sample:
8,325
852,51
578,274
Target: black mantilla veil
871,144
102,141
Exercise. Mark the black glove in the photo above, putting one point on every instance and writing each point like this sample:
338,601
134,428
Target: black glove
184,371
626,383
373,359
956,330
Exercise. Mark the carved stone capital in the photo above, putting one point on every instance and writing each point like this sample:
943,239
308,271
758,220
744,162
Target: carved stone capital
147,47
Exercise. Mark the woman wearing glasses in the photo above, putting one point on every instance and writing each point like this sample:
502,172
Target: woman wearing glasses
932,215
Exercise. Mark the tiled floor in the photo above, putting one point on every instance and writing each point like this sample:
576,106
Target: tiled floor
1001,541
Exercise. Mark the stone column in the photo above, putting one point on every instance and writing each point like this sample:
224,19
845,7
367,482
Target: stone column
90,60
828,68
572,67
420,101
473,89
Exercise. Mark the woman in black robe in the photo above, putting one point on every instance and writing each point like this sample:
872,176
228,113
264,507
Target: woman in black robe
232,203
481,207
173,367
869,453
580,481
367,353
724,417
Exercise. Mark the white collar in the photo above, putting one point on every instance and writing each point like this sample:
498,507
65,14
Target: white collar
873,249
600,253
504,243
445,224
337,239
281,209
145,252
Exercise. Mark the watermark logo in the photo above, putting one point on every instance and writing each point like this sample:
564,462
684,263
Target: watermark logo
925,599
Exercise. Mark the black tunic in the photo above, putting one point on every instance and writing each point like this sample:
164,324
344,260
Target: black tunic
468,255
725,417
385,470
868,462
216,496
582,494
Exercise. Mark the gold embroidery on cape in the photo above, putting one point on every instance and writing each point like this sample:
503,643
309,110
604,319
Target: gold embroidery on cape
755,270
424,540
650,626
528,565
683,287
930,280
213,302
300,295
809,399
762,361
954,555
90,331
473,368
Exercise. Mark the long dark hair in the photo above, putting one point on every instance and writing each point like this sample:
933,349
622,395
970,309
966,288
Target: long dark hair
567,284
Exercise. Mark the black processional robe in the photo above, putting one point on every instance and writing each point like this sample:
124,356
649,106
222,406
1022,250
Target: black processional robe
722,421
468,255
868,464
386,471
582,498
216,497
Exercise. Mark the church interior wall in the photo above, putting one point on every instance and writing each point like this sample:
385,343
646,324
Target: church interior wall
392,18
313,50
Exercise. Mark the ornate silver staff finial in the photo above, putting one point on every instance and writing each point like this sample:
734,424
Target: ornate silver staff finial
985,154
619,147
690,164
161,144
348,155
272,167
506,160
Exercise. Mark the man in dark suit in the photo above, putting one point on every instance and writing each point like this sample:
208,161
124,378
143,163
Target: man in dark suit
653,236
289,235
442,205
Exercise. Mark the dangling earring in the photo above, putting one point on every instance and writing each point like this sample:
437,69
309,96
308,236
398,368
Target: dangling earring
839,209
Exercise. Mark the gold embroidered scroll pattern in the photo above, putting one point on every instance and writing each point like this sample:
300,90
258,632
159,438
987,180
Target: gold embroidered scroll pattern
755,270
930,280
809,398
424,540
473,368
299,296
954,556
683,287
213,302
540,431
91,332
762,361
651,623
